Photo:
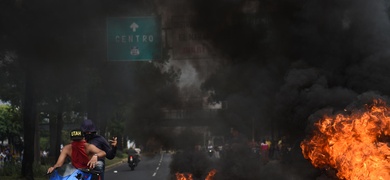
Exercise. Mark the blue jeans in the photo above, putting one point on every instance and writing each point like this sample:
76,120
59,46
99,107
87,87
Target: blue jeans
100,167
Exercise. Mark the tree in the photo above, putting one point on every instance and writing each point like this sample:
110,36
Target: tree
53,56
34,34
10,123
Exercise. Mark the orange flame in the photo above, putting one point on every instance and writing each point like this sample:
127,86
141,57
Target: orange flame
211,174
354,144
188,176
183,176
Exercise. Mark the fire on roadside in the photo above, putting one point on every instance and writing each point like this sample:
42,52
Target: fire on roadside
355,145
188,176
211,174
183,176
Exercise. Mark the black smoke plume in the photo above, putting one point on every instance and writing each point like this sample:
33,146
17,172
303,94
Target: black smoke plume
286,61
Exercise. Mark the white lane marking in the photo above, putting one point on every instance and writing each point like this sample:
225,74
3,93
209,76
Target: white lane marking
159,164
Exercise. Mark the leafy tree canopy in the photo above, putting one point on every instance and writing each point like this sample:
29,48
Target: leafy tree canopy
10,121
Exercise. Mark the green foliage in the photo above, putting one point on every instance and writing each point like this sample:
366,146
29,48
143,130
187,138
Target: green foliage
44,143
120,154
12,170
40,170
116,127
10,121
65,137
10,78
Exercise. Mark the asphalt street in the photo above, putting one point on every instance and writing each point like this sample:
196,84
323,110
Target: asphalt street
150,168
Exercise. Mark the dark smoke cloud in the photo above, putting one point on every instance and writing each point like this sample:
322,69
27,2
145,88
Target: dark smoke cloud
304,58
314,54
345,54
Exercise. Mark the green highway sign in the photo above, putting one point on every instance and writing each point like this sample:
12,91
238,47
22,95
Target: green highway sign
133,38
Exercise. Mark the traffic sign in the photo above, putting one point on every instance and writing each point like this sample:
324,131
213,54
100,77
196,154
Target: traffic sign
133,38
188,44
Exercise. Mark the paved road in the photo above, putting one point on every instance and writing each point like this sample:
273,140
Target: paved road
150,168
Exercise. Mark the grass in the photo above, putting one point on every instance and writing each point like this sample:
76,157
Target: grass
117,159
12,171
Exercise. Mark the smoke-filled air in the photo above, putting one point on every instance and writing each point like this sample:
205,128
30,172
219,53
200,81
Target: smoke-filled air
230,89
283,65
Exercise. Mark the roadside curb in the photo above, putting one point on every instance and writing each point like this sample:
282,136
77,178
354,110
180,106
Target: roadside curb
116,164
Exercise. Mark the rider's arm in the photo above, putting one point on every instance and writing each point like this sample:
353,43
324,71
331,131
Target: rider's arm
102,143
112,152
61,159
97,153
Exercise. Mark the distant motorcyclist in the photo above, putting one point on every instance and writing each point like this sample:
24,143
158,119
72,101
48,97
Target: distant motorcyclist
134,153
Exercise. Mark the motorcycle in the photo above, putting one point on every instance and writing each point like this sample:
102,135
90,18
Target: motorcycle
132,161
210,151
69,172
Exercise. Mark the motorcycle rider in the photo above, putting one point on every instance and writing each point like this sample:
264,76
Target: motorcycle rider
135,154
100,142
82,154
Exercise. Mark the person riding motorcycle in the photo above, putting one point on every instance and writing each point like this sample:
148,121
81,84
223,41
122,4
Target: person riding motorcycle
132,152
90,133
83,155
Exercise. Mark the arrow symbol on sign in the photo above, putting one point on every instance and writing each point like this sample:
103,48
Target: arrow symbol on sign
134,26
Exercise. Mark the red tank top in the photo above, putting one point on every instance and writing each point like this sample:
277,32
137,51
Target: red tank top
80,158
